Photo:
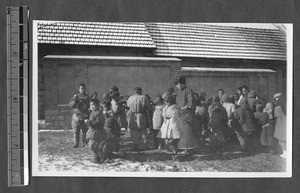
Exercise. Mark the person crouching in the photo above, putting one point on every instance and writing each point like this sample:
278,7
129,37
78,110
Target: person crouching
96,134
171,125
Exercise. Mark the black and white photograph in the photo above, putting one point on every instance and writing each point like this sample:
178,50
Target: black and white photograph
154,99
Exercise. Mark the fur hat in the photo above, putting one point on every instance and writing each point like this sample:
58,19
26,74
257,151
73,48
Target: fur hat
114,88
180,80
138,90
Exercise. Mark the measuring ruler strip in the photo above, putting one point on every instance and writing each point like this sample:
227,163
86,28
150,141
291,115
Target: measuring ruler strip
17,95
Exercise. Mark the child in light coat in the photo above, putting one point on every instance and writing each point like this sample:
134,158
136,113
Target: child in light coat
170,130
157,120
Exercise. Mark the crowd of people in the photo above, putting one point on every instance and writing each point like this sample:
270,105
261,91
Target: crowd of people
179,120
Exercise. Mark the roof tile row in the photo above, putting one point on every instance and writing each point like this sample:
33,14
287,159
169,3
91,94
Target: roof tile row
171,39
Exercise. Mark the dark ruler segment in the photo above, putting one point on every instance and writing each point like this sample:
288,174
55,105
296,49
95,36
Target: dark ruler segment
17,95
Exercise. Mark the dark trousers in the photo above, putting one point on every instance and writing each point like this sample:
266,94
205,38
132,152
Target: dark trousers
155,139
172,145
77,127
246,140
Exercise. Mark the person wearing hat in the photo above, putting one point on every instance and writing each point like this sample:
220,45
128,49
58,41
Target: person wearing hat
139,105
111,100
80,105
186,101
276,97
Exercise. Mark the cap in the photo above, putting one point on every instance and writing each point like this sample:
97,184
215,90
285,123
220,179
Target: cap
277,95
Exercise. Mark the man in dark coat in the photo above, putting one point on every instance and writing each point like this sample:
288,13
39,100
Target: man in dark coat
246,126
80,105
185,100
118,110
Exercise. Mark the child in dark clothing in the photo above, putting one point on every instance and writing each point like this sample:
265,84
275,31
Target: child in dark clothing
96,133
112,129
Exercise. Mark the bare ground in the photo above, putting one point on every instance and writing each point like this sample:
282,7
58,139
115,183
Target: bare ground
57,154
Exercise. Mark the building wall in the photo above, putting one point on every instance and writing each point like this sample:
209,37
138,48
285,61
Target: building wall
210,82
84,50
277,82
57,115
49,49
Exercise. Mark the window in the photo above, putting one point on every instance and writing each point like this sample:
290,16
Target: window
65,83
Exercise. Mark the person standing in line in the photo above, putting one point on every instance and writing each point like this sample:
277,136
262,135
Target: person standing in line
139,105
230,109
202,117
149,124
252,100
244,96
170,130
239,90
246,126
266,123
158,120
220,94
280,126
189,133
119,111
111,125
217,124
80,105
112,128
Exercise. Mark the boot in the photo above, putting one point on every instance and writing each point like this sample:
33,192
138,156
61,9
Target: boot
76,140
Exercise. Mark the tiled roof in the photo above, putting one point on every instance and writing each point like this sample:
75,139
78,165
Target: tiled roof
87,33
171,39
211,41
